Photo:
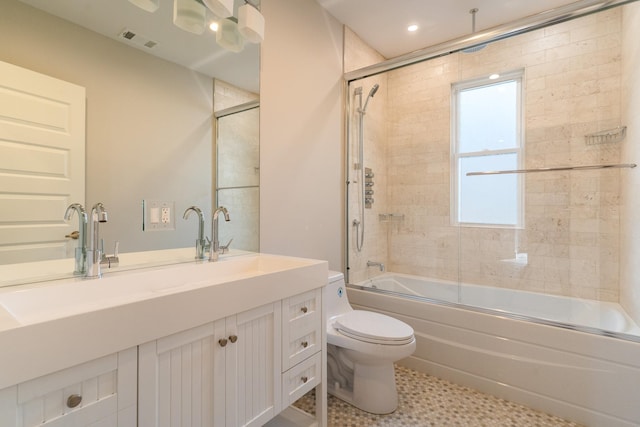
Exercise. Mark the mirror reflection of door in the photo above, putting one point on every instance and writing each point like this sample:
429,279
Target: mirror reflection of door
42,159
238,174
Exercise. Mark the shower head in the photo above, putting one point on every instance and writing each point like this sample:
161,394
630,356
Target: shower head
372,92
473,30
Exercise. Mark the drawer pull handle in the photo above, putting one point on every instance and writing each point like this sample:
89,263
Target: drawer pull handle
304,309
305,344
222,342
233,338
304,379
74,400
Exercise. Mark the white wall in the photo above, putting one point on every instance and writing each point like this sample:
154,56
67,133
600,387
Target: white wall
301,151
148,122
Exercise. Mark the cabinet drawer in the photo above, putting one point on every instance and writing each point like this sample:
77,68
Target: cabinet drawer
301,378
92,393
301,334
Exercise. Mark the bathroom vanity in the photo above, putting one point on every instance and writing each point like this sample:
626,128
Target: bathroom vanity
230,343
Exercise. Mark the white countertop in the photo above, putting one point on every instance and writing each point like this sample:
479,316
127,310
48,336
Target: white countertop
51,326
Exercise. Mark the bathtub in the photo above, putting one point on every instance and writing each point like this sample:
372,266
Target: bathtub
590,316
579,360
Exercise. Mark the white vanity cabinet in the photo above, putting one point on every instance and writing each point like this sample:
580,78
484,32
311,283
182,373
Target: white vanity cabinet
99,393
231,343
224,373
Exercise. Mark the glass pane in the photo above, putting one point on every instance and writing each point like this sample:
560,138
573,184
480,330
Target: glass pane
488,199
243,206
238,150
487,117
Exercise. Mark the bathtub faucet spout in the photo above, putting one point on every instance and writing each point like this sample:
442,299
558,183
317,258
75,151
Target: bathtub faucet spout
375,264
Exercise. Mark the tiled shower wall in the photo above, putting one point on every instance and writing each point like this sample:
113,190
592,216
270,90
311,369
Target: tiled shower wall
239,166
572,87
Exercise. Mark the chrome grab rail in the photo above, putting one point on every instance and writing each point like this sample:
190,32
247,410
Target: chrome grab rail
564,168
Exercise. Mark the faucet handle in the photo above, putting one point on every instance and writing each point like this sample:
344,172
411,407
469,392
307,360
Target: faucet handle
225,248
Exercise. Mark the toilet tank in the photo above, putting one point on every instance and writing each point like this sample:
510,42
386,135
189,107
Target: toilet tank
334,295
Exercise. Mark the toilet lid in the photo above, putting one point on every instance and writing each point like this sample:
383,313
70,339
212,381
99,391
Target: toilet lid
374,327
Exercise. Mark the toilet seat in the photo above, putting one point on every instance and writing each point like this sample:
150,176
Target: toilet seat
374,328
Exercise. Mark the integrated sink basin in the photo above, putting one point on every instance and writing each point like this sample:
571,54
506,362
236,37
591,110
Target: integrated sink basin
55,300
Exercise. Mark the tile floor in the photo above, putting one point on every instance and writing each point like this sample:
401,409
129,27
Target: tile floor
426,401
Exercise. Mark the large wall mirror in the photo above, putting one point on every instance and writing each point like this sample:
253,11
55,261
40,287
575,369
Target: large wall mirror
150,115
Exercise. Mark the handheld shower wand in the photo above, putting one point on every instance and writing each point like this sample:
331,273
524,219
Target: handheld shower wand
359,223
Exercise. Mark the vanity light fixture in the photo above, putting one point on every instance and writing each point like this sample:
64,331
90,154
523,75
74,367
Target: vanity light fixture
228,35
251,23
220,8
148,5
189,15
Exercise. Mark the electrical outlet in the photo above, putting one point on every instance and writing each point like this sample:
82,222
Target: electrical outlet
158,215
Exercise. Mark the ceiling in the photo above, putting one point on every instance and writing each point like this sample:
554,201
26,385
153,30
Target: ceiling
196,52
380,23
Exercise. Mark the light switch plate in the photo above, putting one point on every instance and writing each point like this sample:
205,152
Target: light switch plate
158,215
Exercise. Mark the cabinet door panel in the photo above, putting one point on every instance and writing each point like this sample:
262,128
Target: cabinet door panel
95,393
177,379
253,367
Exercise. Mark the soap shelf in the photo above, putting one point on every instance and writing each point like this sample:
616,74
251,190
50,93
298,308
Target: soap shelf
609,136
390,217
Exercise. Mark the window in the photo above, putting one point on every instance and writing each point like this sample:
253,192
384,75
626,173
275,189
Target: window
486,136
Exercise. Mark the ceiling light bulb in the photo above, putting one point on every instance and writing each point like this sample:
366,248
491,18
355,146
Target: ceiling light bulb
213,26
494,76
412,27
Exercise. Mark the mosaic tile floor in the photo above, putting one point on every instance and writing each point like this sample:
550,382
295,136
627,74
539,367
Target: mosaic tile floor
426,401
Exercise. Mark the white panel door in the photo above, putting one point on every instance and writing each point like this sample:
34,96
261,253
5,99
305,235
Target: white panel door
42,163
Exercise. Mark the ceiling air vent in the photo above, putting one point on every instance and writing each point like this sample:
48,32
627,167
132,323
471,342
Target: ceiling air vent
137,39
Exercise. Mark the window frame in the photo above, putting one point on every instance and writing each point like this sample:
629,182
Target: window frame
516,76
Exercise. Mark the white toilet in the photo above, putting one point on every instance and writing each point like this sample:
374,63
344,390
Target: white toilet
361,349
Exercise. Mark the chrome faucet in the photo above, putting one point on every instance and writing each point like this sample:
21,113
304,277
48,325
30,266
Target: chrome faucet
375,264
201,244
94,254
214,251
81,250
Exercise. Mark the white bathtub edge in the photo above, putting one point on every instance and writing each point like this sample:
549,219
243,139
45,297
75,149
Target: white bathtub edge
499,356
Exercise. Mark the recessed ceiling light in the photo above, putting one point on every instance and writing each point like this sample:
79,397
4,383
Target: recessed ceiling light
412,28
213,26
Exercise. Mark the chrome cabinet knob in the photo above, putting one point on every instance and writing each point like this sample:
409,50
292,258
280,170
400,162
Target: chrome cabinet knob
74,400
222,342
233,338
304,309
305,344
304,379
